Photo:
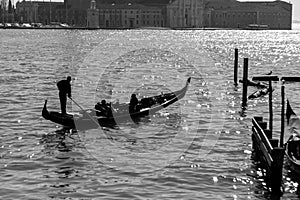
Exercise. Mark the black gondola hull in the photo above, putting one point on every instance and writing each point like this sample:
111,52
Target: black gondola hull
292,153
93,119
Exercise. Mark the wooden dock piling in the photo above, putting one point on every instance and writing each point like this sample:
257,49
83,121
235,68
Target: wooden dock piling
236,63
270,106
282,115
269,151
245,81
269,154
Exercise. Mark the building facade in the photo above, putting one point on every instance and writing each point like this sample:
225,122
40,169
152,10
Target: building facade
130,16
158,13
235,14
40,12
93,16
185,13
7,12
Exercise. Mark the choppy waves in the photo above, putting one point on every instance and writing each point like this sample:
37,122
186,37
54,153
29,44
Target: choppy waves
199,148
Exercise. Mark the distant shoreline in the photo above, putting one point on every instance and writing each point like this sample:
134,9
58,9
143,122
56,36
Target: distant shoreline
58,28
139,28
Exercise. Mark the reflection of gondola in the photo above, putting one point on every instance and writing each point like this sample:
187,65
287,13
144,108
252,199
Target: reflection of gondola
59,145
57,140
118,113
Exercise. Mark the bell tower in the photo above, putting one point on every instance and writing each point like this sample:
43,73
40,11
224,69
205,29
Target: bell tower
93,4
93,16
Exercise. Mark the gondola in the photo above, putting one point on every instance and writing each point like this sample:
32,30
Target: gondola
292,148
254,84
292,152
117,113
259,93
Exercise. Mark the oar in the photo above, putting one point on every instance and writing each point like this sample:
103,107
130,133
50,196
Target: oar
93,119
124,135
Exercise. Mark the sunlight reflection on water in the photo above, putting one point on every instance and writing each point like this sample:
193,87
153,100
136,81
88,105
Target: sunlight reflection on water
36,156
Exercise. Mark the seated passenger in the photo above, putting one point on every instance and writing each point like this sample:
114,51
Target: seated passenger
102,108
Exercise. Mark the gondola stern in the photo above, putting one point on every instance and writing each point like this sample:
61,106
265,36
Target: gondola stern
45,112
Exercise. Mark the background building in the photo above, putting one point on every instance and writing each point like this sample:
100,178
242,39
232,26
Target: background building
130,16
183,13
93,16
7,12
158,13
235,14
40,12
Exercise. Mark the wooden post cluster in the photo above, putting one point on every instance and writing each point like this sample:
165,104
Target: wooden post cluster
245,75
269,153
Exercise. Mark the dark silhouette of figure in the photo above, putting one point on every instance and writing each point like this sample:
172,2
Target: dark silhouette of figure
98,108
133,104
102,108
64,88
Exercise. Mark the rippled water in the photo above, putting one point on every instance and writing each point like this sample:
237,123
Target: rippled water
198,148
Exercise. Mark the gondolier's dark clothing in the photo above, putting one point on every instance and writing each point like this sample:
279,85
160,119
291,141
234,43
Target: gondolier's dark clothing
64,88
133,105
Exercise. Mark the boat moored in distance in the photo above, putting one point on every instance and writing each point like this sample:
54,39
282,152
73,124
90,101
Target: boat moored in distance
257,27
117,113
259,93
254,84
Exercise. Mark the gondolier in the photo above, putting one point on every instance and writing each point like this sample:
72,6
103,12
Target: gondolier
64,88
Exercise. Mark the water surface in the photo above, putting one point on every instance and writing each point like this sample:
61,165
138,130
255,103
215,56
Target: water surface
198,148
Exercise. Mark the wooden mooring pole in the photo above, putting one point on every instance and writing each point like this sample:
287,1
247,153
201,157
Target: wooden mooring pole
236,62
282,115
245,81
270,106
